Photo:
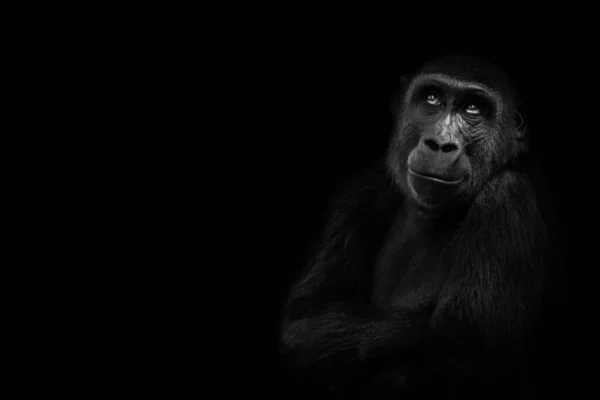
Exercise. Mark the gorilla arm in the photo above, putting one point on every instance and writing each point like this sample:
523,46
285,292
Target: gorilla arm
499,261
327,322
341,335
489,305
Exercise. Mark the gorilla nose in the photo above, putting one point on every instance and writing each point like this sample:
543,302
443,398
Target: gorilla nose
436,145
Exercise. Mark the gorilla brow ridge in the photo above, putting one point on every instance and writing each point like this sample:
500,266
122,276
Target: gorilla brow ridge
459,83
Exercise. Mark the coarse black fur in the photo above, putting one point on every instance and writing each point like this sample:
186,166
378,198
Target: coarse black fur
416,291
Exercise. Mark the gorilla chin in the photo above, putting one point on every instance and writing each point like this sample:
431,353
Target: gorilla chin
433,191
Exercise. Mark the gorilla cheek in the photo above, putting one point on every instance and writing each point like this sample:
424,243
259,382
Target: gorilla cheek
411,157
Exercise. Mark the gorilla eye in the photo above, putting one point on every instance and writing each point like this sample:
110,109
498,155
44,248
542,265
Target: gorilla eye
472,109
433,100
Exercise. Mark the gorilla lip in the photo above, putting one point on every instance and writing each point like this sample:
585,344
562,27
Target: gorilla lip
435,178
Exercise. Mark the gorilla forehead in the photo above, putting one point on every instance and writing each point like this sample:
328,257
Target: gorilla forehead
464,69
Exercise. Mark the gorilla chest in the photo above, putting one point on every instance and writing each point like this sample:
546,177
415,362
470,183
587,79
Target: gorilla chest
408,273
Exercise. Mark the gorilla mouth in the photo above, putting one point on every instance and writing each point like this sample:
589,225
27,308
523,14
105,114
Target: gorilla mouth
435,178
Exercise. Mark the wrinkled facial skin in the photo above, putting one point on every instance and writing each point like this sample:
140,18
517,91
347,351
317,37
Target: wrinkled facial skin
452,136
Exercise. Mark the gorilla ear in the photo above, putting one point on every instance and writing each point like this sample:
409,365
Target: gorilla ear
520,125
520,132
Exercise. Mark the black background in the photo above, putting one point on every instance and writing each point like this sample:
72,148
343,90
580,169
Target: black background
305,105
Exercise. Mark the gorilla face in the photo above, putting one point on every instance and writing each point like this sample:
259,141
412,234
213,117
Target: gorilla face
453,134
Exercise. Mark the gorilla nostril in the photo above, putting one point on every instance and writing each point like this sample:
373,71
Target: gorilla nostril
447,148
432,144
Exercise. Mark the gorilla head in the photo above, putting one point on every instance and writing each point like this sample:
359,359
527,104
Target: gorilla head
458,126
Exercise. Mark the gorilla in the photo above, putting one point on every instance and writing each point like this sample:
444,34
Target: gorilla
430,276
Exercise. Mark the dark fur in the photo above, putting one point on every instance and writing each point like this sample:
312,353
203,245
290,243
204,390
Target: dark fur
473,328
